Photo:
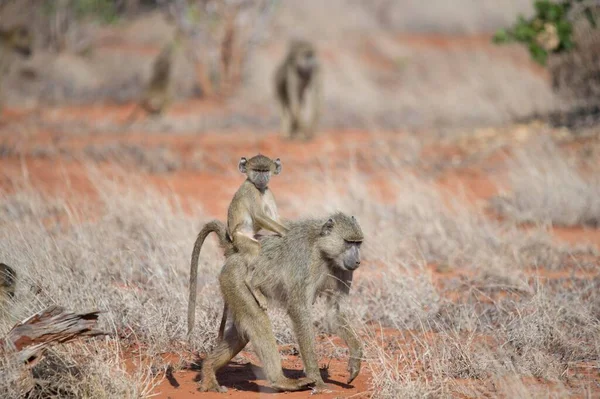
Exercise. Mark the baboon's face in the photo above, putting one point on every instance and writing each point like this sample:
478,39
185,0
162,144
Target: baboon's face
306,60
341,239
259,170
350,258
21,41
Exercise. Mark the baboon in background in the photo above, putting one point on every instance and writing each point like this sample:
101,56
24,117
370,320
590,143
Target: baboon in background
157,95
158,92
317,257
252,208
16,41
298,90
8,282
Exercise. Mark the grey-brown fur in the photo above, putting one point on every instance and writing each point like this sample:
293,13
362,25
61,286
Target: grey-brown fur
158,96
298,90
218,227
8,283
315,258
14,43
252,208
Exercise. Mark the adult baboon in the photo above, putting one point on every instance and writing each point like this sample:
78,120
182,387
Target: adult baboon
252,209
14,42
158,94
316,257
298,90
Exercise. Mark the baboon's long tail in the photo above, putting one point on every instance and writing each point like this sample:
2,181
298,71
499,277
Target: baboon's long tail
220,229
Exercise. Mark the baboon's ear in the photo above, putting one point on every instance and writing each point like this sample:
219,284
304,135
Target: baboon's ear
242,164
327,227
277,166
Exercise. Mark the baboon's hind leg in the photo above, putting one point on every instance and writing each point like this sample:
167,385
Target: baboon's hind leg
253,324
258,295
225,350
250,249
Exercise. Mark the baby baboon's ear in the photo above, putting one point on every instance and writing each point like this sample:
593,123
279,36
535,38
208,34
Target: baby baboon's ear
242,164
327,227
277,166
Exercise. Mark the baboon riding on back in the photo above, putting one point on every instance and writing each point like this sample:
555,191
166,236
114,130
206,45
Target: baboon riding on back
316,257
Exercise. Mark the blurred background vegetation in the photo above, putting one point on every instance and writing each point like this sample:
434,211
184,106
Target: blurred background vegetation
387,64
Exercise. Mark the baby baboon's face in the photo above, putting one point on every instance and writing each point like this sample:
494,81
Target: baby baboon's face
259,169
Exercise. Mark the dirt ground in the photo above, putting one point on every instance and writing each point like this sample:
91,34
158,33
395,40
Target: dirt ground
47,147
214,183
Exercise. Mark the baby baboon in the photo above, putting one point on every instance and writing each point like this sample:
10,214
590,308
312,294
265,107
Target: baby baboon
315,257
8,282
14,42
252,208
298,90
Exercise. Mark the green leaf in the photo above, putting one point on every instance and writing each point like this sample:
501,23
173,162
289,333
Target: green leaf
564,29
542,7
524,32
501,36
555,12
538,54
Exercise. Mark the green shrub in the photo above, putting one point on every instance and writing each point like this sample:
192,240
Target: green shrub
550,30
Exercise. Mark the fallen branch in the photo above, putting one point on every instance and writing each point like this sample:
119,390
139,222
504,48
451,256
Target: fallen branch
53,325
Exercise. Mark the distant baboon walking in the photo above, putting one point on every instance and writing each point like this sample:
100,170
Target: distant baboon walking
317,257
298,90
252,209
15,42
158,93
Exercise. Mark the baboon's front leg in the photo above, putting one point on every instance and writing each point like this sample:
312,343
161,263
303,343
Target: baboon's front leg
345,331
265,222
313,105
293,91
341,326
300,314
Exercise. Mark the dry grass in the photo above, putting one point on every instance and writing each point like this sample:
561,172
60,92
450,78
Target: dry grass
127,253
546,187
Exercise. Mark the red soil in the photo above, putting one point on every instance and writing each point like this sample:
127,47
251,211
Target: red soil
213,183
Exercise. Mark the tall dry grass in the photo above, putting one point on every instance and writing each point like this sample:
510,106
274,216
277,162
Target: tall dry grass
548,188
490,321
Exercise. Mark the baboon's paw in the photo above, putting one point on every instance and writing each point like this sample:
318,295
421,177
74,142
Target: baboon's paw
321,389
212,387
353,369
288,384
